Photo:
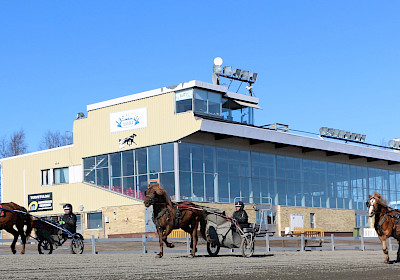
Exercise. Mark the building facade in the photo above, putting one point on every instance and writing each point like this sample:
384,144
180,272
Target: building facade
200,142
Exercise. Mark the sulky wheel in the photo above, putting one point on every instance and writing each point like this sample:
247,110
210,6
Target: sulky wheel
247,246
45,247
213,249
77,244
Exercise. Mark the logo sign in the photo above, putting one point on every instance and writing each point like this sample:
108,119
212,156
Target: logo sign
128,120
40,202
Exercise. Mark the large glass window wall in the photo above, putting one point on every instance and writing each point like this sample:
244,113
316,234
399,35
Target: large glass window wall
128,172
290,181
218,174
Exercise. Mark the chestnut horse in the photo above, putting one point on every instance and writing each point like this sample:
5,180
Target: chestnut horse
14,215
386,222
168,216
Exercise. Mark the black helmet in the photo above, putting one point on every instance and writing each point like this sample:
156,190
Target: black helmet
68,206
239,203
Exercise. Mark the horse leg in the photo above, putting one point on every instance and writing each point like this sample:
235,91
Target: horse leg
165,235
385,249
398,252
15,234
194,239
160,234
20,227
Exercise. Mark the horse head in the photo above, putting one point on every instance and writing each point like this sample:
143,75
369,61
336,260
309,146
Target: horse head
153,195
373,203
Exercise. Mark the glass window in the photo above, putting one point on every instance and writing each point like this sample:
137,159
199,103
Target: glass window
183,100
214,103
185,183
200,101
142,185
94,220
45,177
184,156
89,170
197,158
244,163
209,159
167,151
154,159
61,175
116,185
115,164
234,162
141,160
102,178
222,161
210,179
129,186
198,187
167,181
102,161
128,166
223,189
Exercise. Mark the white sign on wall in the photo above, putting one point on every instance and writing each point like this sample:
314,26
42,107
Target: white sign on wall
128,120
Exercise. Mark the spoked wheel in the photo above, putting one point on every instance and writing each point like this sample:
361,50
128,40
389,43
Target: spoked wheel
77,244
45,247
247,246
213,249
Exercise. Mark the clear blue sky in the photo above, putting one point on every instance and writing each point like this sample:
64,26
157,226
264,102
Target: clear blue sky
320,63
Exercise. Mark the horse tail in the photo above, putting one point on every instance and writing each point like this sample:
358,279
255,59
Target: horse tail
203,224
28,221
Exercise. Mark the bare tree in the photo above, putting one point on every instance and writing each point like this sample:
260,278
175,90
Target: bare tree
3,147
16,145
54,140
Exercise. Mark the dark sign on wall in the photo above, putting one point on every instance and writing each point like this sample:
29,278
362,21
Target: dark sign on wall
40,202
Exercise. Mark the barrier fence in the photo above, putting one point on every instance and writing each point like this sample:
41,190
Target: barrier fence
271,244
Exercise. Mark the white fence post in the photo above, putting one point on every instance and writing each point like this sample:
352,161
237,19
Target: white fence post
333,242
390,244
362,243
93,245
302,242
188,244
267,249
144,243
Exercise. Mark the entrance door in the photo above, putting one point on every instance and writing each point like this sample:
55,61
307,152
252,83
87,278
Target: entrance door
296,221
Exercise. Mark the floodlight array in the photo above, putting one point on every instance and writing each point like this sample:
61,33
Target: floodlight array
233,73
395,143
342,134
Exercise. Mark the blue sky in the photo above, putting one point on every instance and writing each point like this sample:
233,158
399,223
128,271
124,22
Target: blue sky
320,63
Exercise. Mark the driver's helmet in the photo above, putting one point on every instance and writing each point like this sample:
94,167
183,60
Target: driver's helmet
68,206
240,204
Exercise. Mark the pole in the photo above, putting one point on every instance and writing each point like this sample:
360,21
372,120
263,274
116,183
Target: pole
93,245
332,242
362,243
267,248
302,242
144,243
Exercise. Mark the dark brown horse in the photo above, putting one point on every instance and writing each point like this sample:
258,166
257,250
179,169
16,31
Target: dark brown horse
168,216
14,215
386,222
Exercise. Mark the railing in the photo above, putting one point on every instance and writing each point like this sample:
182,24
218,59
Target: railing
331,243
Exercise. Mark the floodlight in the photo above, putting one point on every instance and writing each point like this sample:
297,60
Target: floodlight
217,69
357,136
330,132
347,135
396,144
228,70
218,61
341,133
352,136
236,72
323,130
245,75
336,132
253,76
391,143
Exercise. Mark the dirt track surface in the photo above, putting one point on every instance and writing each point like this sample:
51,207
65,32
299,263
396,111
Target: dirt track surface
280,265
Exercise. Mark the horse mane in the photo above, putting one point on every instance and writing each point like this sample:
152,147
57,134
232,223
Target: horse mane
161,192
381,201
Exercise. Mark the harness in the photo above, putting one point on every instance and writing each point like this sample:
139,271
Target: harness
396,216
163,212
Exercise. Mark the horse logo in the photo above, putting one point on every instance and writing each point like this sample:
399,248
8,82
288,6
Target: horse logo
128,140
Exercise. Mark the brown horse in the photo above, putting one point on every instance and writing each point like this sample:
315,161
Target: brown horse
386,222
168,216
14,215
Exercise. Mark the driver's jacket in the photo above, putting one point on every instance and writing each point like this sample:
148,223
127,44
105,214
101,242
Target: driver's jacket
70,222
241,217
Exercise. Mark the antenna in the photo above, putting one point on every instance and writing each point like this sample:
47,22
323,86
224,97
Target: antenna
233,74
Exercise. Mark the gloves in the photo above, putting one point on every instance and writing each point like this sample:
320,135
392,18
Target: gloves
61,222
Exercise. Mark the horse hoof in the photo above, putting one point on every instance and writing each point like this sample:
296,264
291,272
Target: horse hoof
158,256
171,245
14,252
190,256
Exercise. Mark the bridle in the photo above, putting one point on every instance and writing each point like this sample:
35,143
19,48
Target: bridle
371,203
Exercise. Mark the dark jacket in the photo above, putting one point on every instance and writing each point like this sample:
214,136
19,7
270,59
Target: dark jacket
70,222
241,217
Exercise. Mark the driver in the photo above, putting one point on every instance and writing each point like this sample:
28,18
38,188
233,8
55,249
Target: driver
240,215
69,218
